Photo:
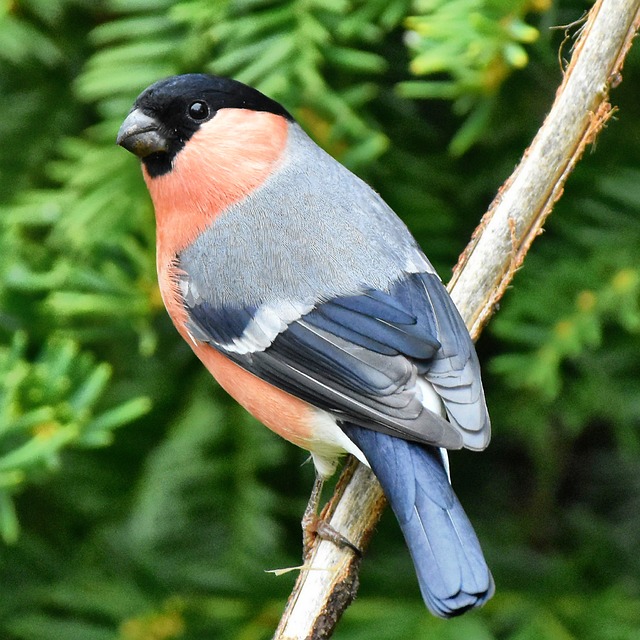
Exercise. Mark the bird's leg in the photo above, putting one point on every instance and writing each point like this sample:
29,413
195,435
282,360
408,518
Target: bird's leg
310,517
313,526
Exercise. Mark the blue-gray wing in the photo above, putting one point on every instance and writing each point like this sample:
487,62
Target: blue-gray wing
364,357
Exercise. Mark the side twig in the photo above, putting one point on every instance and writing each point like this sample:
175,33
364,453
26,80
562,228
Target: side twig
485,269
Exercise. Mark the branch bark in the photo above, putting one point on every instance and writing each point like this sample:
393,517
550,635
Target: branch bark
486,267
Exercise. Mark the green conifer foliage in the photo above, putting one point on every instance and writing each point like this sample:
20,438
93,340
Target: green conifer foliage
137,501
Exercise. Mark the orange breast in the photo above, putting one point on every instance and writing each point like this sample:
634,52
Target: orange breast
228,158
288,416
283,413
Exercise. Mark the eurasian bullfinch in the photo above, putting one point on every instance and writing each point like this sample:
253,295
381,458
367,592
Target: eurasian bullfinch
310,302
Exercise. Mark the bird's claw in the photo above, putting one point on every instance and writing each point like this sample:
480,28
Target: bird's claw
314,527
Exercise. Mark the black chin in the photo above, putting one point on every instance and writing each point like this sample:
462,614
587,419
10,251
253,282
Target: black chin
158,164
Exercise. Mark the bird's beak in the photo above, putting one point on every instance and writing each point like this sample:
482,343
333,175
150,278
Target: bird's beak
141,135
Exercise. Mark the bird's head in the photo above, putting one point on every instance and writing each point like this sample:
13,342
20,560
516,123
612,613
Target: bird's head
205,143
170,112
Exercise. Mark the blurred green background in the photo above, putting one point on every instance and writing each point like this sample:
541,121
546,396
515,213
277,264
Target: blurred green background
137,502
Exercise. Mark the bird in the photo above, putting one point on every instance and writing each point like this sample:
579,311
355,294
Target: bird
310,302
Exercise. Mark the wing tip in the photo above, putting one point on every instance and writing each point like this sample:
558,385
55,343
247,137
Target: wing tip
478,440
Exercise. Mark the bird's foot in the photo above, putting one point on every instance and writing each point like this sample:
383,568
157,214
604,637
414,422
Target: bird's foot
314,528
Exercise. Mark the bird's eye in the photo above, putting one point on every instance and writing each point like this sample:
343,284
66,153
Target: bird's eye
198,111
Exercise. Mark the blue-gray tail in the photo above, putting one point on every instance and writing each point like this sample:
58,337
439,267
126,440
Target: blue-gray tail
451,569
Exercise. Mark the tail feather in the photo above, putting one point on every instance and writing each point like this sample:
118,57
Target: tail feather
451,568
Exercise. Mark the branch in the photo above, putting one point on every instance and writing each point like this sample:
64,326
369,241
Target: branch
581,108
496,250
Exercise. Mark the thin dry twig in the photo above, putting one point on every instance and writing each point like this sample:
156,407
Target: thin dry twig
485,269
